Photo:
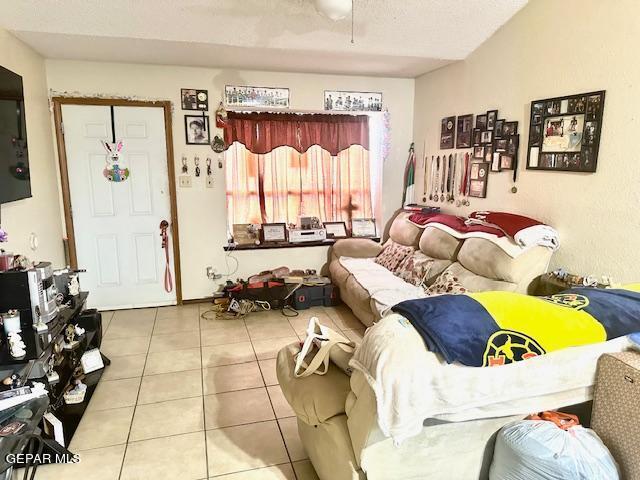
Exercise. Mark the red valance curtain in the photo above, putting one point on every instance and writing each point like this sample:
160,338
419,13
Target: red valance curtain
261,133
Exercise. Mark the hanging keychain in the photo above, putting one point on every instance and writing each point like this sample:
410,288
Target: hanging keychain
196,161
209,172
185,167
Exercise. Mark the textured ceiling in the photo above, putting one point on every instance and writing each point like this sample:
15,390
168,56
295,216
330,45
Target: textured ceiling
392,37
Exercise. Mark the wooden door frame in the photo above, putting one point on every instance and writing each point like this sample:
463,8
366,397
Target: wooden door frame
64,172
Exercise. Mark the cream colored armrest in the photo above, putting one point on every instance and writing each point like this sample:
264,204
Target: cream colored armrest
357,248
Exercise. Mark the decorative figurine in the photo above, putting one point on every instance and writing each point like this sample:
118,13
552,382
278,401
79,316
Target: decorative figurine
70,337
17,347
52,375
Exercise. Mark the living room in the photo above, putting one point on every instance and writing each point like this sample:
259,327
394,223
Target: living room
201,203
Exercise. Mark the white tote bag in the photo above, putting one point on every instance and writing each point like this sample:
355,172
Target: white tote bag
321,346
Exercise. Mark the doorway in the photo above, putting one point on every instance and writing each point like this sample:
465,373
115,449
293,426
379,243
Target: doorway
113,221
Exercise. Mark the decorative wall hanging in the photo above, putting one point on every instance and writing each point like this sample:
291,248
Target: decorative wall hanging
479,175
337,100
193,99
221,116
464,131
245,96
565,132
447,133
113,171
196,129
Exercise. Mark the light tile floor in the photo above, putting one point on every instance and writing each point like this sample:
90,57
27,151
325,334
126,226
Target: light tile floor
189,399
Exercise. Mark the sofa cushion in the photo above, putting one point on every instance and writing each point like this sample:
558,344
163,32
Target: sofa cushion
446,284
404,232
356,247
476,283
438,244
315,398
393,255
486,259
415,268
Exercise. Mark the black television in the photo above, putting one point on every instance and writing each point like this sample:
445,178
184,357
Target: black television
15,183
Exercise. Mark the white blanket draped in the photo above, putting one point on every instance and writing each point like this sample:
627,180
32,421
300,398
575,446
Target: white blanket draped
412,384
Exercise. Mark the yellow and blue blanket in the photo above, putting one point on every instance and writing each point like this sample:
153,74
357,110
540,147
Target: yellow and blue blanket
497,328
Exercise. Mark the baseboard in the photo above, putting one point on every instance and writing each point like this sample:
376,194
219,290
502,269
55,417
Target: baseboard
197,300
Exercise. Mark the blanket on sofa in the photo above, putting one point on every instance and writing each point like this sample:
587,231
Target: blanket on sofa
496,328
412,384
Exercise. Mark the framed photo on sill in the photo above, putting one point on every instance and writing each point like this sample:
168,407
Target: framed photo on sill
196,129
274,232
363,228
336,230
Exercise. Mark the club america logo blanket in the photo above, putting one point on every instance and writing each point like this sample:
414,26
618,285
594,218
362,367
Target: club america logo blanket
497,328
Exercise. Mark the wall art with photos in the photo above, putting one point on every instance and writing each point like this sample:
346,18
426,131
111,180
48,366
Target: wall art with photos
479,174
352,101
448,133
193,99
464,131
564,133
245,96
196,129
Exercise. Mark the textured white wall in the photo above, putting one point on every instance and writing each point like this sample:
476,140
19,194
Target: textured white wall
41,213
202,214
550,49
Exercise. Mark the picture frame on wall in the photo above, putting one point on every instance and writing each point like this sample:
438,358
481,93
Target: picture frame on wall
447,133
565,132
478,152
342,100
492,117
495,162
488,153
481,121
464,131
196,129
477,137
509,128
479,174
497,131
194,99
487,136
506,161
248,96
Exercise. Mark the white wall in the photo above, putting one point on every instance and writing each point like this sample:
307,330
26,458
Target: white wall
202,211
550,49
41,213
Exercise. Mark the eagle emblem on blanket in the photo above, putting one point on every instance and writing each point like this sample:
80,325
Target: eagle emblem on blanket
508,346
570,300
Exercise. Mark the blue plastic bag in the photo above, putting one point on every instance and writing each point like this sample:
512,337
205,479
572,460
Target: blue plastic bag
539,450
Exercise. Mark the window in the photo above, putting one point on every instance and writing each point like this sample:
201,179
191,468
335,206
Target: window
281,166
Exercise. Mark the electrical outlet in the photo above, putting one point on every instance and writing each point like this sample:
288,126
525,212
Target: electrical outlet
209,181
185,181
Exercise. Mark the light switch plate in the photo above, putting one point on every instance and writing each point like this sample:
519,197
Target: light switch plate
185,181
209,181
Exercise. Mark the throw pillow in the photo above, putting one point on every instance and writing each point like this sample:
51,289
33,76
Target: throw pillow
392,255
446,284
415,268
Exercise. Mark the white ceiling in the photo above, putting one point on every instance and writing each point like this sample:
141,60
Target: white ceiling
402,38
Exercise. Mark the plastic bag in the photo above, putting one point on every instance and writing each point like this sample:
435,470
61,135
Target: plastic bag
539,450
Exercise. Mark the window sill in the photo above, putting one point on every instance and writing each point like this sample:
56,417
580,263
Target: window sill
269,246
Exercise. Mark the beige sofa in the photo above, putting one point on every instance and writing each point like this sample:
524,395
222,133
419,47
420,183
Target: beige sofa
337,415
479,264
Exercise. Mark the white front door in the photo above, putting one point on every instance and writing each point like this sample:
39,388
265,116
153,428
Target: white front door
116,225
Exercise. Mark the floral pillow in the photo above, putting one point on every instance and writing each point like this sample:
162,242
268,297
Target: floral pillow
415,268
392,255
446,284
